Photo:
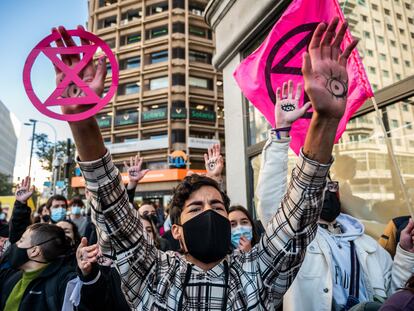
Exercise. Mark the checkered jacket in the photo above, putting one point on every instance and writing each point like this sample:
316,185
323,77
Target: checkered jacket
156,280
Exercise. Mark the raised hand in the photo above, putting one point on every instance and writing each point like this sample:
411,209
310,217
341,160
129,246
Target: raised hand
86,256
24,191
214,162
286,109
407,237
93,76
245,245
324,70
135,173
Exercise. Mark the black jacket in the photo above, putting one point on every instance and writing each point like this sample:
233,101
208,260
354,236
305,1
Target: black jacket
105,294
45,293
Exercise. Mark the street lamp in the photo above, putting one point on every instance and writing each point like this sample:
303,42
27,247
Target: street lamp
32,123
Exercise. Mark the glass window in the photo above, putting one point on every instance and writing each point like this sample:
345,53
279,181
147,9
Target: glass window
107,22
372,69
395,60
103,3
408,125
178,53
201,57
201,82
367,34
178,79
156,32
104,120
399,16
158,83
402,31
157,8
200,32
387,12
131,38
158,57
389,27
405,107
405,47
111,42
394,123
374,7
385,73
126,117
383,56
370,53
407,63
364,18
381,39
178,27
131,15
393,43
130,63
128,88
196,9
178,136
178,4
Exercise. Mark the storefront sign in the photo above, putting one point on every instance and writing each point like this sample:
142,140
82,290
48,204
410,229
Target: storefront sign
154,115
178,113
202,115
139,145
177,159
127,118
201,143
104,121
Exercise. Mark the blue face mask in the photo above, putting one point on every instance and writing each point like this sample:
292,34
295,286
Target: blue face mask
2,216
76,210
58,214
238,232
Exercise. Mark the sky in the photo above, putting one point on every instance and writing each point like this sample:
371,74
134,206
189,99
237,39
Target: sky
23,23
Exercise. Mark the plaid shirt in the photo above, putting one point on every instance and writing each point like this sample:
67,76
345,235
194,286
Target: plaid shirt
156,280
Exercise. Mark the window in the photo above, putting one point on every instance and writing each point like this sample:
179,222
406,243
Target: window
158,83
374,7
178,27
157,8
387,12
385,73
103,3
200,32
399,16
383,56
178,53
178,136
404,107
408,125
201,82
395,60
126,117
411,20
412,35
374,86
156,32
178,4
389,27
394,123
364,18
372,70
370,53
367,34
196,9
405,47
107,22
407,63
201,57
178,79
104,120
393,43
130,63
111,42
158,57
408,6
108,69
128,88
130,15
397,76
402,31
131,38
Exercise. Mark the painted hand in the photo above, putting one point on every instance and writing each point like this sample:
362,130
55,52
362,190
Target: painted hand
24,191
214,162
86,255
135,173
324,70
286,109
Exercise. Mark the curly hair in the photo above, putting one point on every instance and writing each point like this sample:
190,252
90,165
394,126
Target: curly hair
183,191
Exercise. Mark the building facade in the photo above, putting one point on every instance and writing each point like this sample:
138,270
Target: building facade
369,186
8,141
169,103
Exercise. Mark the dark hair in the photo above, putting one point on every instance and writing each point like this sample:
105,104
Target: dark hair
39,212
56,197
410,284
76,235
153,229
77,201
182,192
58,245
148,202
240,208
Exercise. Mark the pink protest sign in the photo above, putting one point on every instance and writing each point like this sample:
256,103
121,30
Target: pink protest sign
279,59
71,75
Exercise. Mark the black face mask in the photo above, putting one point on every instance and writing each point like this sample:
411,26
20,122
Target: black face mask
154,219
18,256
207,236
331,207
46,218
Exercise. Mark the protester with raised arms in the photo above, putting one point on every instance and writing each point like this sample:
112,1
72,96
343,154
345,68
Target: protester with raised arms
207,276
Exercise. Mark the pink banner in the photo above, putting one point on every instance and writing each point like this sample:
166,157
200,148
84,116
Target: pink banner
279,59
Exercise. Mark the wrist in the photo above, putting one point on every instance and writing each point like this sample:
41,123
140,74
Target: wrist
22,201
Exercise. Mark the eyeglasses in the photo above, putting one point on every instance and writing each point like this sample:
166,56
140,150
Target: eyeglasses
332,186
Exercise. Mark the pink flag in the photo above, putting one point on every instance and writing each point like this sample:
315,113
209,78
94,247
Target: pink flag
279,59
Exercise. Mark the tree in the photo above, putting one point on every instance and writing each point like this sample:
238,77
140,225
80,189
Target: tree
44,152
6,187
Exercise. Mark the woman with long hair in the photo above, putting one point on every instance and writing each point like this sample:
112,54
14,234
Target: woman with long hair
244,234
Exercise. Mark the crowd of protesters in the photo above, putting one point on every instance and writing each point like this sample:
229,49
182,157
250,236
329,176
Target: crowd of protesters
301,253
